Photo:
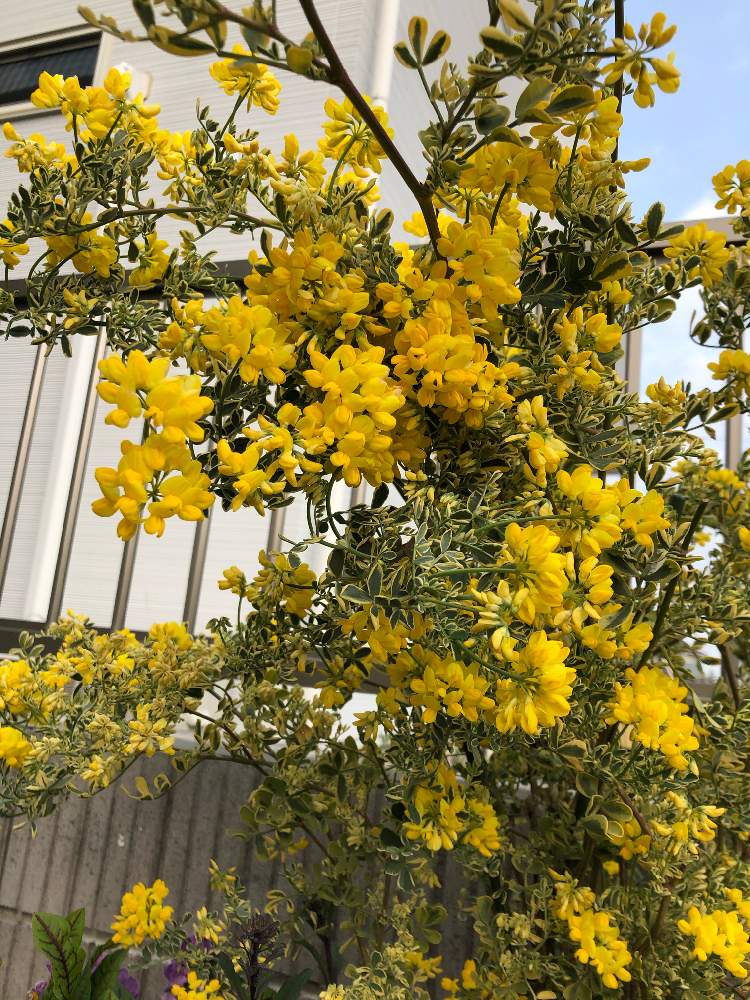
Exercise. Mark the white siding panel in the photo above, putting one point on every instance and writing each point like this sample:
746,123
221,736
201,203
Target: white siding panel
40,516
234,539
16,364
160,575
95,558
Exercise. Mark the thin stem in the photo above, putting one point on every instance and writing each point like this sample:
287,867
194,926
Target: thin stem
671,587
727,669
619,33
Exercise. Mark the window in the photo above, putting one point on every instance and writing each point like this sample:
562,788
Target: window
20,66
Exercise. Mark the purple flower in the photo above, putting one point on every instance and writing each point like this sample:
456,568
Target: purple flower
129,983
176,974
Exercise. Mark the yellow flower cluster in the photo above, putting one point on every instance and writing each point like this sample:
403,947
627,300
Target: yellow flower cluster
356,413
593,930
197,988
349,139
90,251
507,168
444,686
598,515
538,692
535,694
733,367
721,933
653,703
14,747
704,246
248,337
162,468
275,458
668,400
282,584
447,816
630,59
679,827
252,81
143,915
11,250
732,187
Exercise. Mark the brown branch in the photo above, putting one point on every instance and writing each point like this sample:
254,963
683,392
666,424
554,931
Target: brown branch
339,76
727,669
671,587
641,819
619,33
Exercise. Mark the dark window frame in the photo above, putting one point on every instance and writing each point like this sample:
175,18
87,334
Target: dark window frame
72,54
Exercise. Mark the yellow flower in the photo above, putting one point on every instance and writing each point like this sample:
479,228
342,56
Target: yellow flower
668,400
14,747
707,246
732,187
235,580
744,537
253,80
146,735
248,335
176,405
643,517
356,413
734,367
35,151
142,915
546,450
349,138
654,704
444,685
91,251
16,685
152,262
631,58
282,584
123,378
577,332
537,569
718,933
197,988
600,944
206,927
11,251
504,167
538,692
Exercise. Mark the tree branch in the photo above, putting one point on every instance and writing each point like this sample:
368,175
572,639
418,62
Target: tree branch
339,76
730,676
666,600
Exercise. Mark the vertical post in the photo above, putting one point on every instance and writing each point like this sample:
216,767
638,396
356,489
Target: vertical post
21,462
195,573
633,360
124,581
275,528
76,484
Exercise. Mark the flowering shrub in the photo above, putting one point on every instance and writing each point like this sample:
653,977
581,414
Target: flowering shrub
545,568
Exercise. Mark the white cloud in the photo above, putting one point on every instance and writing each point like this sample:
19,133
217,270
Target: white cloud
704,208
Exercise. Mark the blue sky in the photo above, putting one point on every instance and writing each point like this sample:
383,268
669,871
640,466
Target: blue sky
692,134
689,136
